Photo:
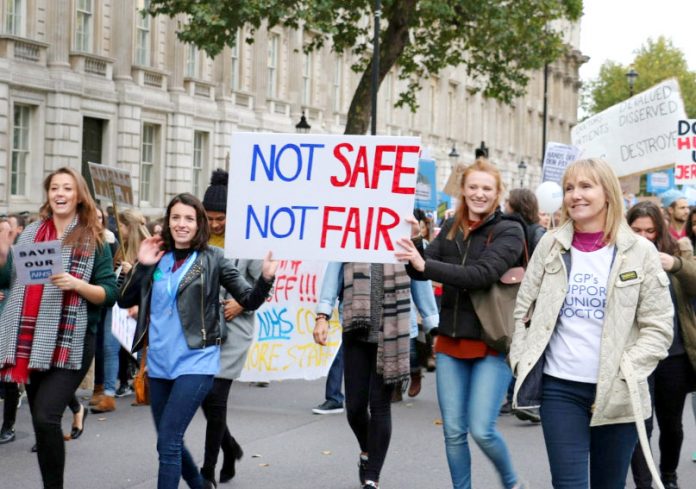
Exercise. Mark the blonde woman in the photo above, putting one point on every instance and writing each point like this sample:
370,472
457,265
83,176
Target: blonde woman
601,320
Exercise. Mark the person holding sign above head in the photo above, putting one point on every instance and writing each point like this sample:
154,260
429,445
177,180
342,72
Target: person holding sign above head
471,252
176,284
47,330
593,318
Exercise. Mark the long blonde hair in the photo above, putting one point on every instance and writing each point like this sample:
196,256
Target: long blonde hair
137,232
600,173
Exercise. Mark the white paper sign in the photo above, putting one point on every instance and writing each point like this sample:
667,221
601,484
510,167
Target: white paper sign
36,262
685,166
123,327
320,197
636,135
556,158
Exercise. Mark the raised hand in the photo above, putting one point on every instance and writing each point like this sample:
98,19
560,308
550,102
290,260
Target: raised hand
269,267
149,252
410,254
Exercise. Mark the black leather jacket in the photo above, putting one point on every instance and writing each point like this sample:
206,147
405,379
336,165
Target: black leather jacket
198,301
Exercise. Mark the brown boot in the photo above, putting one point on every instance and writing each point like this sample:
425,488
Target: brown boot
415,387
106,404
96,394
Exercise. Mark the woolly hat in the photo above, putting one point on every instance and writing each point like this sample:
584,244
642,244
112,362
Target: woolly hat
671,196
215,198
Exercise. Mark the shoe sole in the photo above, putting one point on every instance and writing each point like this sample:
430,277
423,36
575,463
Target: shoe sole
522,416
327,411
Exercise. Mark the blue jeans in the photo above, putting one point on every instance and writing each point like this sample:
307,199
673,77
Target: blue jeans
111,349
334,379
173,404
470,393
572,444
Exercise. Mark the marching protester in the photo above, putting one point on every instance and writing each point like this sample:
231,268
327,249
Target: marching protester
592,320
47,331
675,377
238,328
176,283
472,251
676,211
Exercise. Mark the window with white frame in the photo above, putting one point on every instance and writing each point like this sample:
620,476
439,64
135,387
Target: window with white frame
21,132
142,39
15,15
84,26
307,69
338,85
272,64
191,61
236,64
148,162
200,147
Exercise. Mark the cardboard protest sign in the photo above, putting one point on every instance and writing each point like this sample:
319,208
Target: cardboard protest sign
556,158
283,346
637,134
35,262
123,327
309,197
426,190
685,164
104,176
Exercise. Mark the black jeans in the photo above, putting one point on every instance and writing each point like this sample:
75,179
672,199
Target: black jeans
9,410
672,380
217,435
49,393
366,389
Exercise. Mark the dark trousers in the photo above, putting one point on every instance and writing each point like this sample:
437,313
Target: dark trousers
9,409
672,380
217,435
368,402
572,445
49,393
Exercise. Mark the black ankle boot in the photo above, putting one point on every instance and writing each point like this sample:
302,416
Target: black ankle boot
669,480
208,478
228,471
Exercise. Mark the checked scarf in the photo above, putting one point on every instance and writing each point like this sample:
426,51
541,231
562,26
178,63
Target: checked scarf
377,298
43,327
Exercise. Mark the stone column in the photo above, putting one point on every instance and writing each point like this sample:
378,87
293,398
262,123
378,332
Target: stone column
123,15
59,30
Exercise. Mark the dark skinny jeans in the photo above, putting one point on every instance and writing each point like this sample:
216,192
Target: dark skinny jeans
217,435
9,409
368,402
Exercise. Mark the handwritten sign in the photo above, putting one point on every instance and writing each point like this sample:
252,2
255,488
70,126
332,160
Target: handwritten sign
283,346
123,327
334,197
685,166
103,176
36,262
556,158
637,134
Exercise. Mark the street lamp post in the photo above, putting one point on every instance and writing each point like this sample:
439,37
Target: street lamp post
631,76
302,127
454,154
522,170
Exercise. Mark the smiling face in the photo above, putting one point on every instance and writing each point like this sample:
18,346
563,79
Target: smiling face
217,222
182,225
62,196
586,202
480,193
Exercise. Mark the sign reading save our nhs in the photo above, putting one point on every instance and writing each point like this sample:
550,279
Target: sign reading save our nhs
320,197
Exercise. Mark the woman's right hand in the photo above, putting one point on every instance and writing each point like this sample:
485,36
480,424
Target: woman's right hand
149,252
321,331
126,267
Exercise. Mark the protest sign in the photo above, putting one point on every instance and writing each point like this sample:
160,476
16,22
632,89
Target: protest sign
660,181
283,346
685,165
320,197
104,176
426,191
36,262
637,134
123,327
556,158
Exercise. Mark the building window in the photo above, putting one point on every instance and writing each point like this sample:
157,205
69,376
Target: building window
307,68
20,149
200,146
273,51
83,30
148,159
191,61
142,40
338,85
236,65
14,17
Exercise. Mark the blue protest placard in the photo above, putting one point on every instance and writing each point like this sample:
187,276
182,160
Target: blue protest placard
660,181
426,192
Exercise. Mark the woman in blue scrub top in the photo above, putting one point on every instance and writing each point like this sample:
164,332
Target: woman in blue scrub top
176,283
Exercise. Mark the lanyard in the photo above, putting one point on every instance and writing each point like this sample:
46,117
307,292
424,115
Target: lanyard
167,264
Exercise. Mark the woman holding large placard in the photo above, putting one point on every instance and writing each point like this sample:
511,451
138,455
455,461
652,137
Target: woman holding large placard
47,331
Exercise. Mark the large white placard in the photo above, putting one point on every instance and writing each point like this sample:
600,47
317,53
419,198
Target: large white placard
556,158
636,135
320,197
36,262
123,327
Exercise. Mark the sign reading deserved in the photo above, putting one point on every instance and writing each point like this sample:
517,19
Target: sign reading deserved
36,262
636,135
307,197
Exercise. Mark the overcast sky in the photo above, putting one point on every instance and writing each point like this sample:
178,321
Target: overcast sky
614,29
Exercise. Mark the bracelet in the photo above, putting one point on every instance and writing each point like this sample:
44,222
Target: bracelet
323,316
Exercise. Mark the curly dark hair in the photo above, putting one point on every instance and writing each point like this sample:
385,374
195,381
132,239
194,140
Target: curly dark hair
200,240
664,241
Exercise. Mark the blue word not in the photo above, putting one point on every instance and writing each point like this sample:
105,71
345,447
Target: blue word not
280,223
292,166
39,274
273,326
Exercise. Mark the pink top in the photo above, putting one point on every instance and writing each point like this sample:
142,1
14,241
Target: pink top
588,241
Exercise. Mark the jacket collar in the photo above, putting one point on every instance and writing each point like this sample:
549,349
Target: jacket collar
625,237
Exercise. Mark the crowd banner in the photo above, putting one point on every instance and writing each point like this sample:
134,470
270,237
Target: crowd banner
636,135
556,158
426,189
320,197
35,263
103,177
685,165
283,346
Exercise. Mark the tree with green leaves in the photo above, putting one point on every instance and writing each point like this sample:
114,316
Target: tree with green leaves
498,41
656,61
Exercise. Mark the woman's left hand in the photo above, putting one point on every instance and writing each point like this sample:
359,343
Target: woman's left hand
667,261
269,267
65,281
410,254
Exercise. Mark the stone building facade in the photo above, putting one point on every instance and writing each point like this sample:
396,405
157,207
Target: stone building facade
94,80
